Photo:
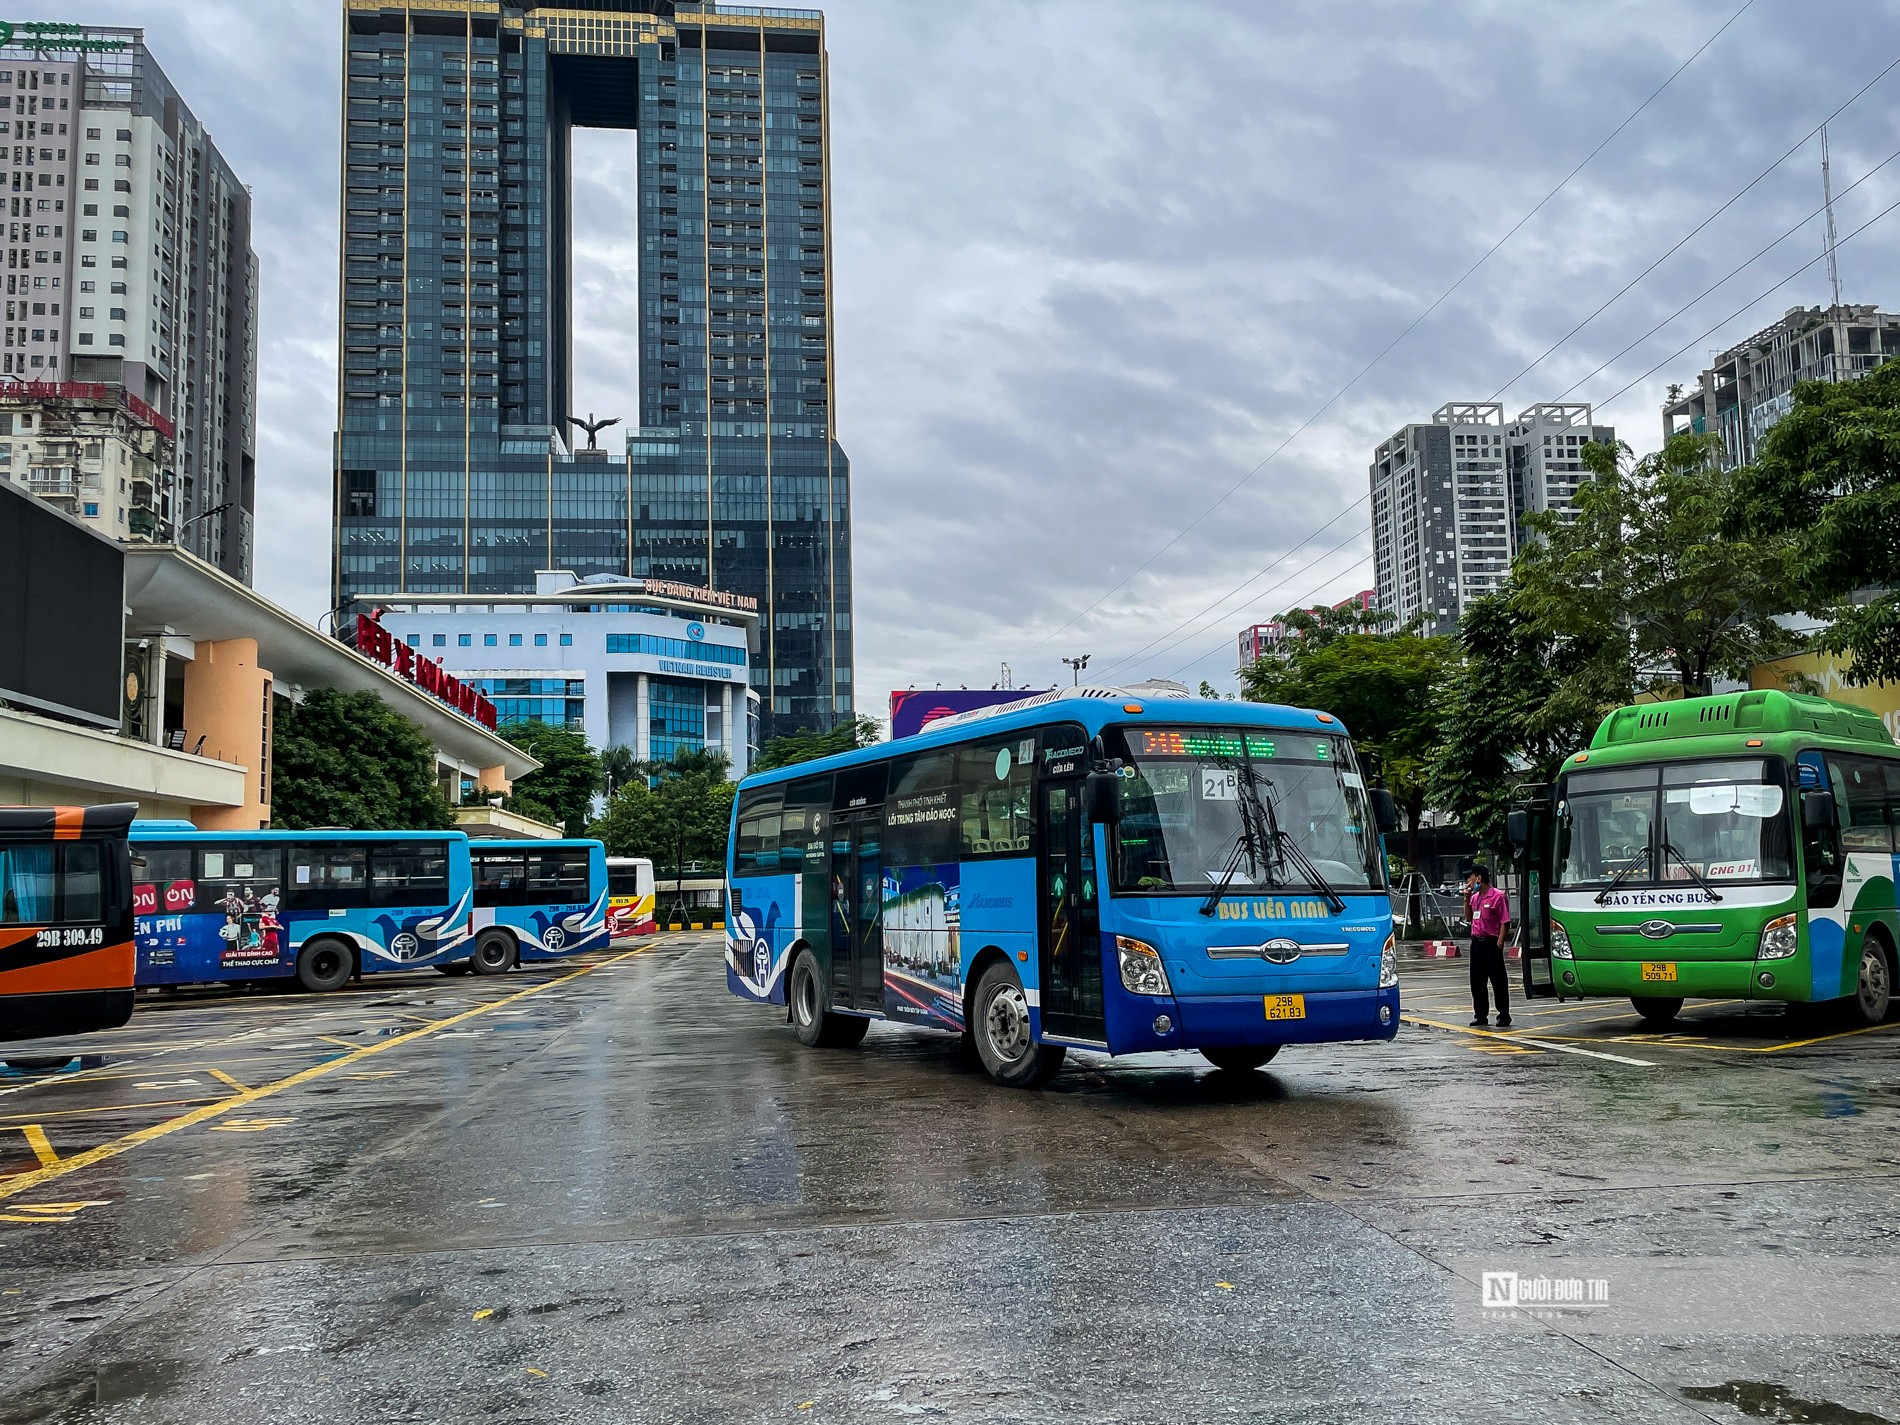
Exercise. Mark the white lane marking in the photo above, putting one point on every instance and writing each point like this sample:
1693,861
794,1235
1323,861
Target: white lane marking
1587,1053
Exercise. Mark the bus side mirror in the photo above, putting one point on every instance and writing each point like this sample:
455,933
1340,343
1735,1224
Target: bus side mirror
1517,829
1819,811
1385,812
1101,801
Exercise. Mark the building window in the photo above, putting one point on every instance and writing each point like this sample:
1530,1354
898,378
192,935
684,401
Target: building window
462,640
540,640
514,640
440,640
567,640
415,640
489,640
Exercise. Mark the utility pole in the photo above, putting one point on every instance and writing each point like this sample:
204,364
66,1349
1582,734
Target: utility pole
1075,666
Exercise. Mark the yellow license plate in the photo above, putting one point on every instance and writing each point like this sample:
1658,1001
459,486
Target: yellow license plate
1658,971
1286,1006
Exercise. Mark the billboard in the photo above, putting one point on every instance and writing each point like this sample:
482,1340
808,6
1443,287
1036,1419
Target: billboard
62,613
914,709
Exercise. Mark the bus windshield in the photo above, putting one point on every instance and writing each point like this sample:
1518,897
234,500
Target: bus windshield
1675,822
1181,811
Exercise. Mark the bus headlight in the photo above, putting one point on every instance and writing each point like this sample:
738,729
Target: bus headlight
1559,942
1141,967
1778,938
1389,963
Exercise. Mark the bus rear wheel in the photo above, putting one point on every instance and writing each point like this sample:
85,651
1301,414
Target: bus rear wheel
815,1023
1873,991
324,965
1003,1042
494,953
1241,1057
1657,1012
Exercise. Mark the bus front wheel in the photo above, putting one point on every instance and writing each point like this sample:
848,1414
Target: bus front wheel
813,1021
324,965
494,953
1003,1041
1657,1012
1873,991
1241,1057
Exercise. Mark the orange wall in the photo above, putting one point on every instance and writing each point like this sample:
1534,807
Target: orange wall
227,702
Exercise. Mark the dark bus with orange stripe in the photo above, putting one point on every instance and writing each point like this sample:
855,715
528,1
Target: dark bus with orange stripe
66,955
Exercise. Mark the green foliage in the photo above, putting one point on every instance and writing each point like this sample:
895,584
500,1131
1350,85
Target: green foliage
679,819
1827,480
1516,705
562,790
1642,578
805,746
348,759
618,766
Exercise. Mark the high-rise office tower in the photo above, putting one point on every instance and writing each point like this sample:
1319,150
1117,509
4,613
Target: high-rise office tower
1449,498
129,355
458,470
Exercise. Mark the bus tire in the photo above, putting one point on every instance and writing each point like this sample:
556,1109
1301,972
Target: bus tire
1657,1012
460,967
1239,1058
1873,988
1003,1042
325,964
494,953
809,1004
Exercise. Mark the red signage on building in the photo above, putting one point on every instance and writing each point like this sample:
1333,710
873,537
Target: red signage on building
85,391
375,641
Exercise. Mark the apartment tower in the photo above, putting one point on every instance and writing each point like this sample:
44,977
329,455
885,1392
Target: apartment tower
458,468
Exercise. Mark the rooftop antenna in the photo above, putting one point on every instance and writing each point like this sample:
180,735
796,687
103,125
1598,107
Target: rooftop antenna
1006,677
1827,194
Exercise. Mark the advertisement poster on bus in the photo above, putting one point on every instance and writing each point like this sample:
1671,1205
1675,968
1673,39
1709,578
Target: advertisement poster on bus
914,709
922,946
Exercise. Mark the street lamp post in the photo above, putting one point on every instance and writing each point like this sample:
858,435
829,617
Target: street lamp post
1076,665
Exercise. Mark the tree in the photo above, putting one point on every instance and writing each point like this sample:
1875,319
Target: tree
807,746
562,790
1385,688
1514,707
618,766
348,759
1643,575
679,819
1827,480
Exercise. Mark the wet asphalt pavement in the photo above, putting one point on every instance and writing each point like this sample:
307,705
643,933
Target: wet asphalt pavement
611,1192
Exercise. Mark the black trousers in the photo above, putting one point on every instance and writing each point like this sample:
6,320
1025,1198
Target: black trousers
1487,967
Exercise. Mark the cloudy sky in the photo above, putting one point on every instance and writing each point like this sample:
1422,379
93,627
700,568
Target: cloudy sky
1097,260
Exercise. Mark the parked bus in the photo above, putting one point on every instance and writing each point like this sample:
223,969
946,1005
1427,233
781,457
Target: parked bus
65,920
630,897
322,906
536,900
1734,847
1117,870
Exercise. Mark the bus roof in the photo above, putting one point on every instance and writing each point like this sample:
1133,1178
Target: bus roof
529,843
1087,706
67,823
1697,726
169,829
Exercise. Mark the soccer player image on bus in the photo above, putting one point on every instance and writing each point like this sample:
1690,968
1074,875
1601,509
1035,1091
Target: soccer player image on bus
66,956
1117,870
1736,847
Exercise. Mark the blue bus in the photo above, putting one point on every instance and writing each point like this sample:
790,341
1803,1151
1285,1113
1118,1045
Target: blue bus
319,906
536,900
1117,870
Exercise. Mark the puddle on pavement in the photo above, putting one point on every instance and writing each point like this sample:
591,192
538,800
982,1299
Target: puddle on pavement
1767,1401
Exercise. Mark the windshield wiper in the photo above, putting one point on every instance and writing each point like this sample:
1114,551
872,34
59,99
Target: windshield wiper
1287,848
1683,861
1247,844
1623,875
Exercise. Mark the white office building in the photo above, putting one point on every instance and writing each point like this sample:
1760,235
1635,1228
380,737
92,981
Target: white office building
645,664
1449,498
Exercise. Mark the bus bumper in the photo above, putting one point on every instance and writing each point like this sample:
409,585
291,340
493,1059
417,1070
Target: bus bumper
41,1016
1213,1021
1695,979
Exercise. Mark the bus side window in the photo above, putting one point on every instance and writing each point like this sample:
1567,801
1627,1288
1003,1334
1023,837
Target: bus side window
557,876
408,873
499,879
759,831
170,870
1864,828
238,876
993,779
327,875
81,884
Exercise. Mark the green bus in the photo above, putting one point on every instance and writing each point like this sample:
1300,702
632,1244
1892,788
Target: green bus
1732,847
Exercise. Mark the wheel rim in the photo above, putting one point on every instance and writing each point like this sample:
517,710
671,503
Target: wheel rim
326,963
807,996
491,953
1006,1024
1874,990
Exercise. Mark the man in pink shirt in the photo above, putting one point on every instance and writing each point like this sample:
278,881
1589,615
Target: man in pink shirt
1490,911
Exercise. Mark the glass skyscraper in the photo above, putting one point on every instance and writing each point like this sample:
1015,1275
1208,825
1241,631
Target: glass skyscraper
457,471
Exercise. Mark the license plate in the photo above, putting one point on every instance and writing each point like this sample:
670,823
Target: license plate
1658,971
1286,1006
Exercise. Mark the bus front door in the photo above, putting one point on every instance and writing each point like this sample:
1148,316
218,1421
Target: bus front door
1070,941
857,912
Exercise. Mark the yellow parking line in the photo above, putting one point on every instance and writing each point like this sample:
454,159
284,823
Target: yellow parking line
112,1108
42,1149
26,1182
224,1078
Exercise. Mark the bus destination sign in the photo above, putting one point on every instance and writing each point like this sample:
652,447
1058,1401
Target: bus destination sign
47,37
